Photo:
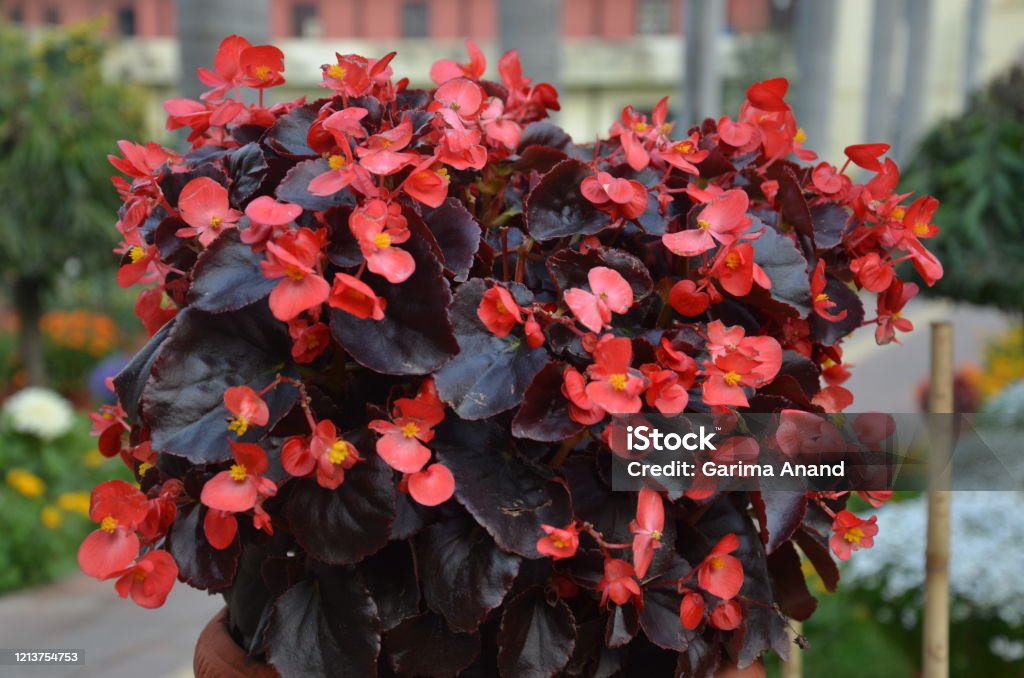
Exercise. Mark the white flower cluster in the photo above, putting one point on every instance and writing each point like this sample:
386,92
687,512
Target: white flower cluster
39,412
986,551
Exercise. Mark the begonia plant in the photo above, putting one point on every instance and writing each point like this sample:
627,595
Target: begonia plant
390,328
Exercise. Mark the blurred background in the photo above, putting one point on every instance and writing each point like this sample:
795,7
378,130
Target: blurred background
941,80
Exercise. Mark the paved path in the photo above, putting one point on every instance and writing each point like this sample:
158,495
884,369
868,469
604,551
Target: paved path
121,640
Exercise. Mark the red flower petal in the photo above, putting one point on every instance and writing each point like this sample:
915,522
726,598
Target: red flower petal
432,486
104,554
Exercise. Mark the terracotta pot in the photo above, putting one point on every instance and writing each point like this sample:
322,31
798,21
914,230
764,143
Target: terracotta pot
219,656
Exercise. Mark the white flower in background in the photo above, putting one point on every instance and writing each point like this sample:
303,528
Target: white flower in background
39,412
986,551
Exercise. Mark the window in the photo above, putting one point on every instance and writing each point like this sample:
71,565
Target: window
415,20
305,22
51,16
653,17
126,21
17,15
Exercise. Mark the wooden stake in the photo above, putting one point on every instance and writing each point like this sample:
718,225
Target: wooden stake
935,645
794,668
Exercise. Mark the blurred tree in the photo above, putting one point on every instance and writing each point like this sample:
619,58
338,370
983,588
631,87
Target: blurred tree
974,165
58,121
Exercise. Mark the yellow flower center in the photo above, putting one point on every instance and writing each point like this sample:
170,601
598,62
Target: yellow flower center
618,381
294,272
656,535
144,468
732,378
854,535
385,143
263,72
559,543
337,71
684,148
382,240
443,173
215,222
339,452
410,430
921,228
800,136
732,260
899,212
237,472
337,161
135,253
641,127
821,297
108,524
703,224
239,425
716,563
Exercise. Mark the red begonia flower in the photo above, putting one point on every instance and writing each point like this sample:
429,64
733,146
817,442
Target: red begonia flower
581,408
691,610
735,270
352,295
119,508
309,340
737,134
618,583
685,154
823,305
720,573
262,66
238,488
432,486
687,300
413,420
220,528
294,257
269,212
610,294
429,186
459,100
726,616
498,311
723,219
619,196
204,207
248,408
616,387
559,542
378,226
850,533
497,126
150,580
872,273
227,72
444,70
382,154
647,528
867,155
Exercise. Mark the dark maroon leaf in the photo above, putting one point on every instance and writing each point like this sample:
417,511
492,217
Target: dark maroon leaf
390,574
342,247
172,183
536,637
199,564
228,276
623,623
778,255
425,646
463,573
539,159
288,134
789,583
543,134
503,492
295,187
410,516
804,370
415,336
555,207
825,331
131,380
659,619
594,501
764,627
831,222
345,525
457,234
247,167
544,414
782,512
570,267
795,211
812,538
490,373
325,626
183,402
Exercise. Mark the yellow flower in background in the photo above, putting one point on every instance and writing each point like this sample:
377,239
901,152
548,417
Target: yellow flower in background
51,517
94,459
74,502
26,482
